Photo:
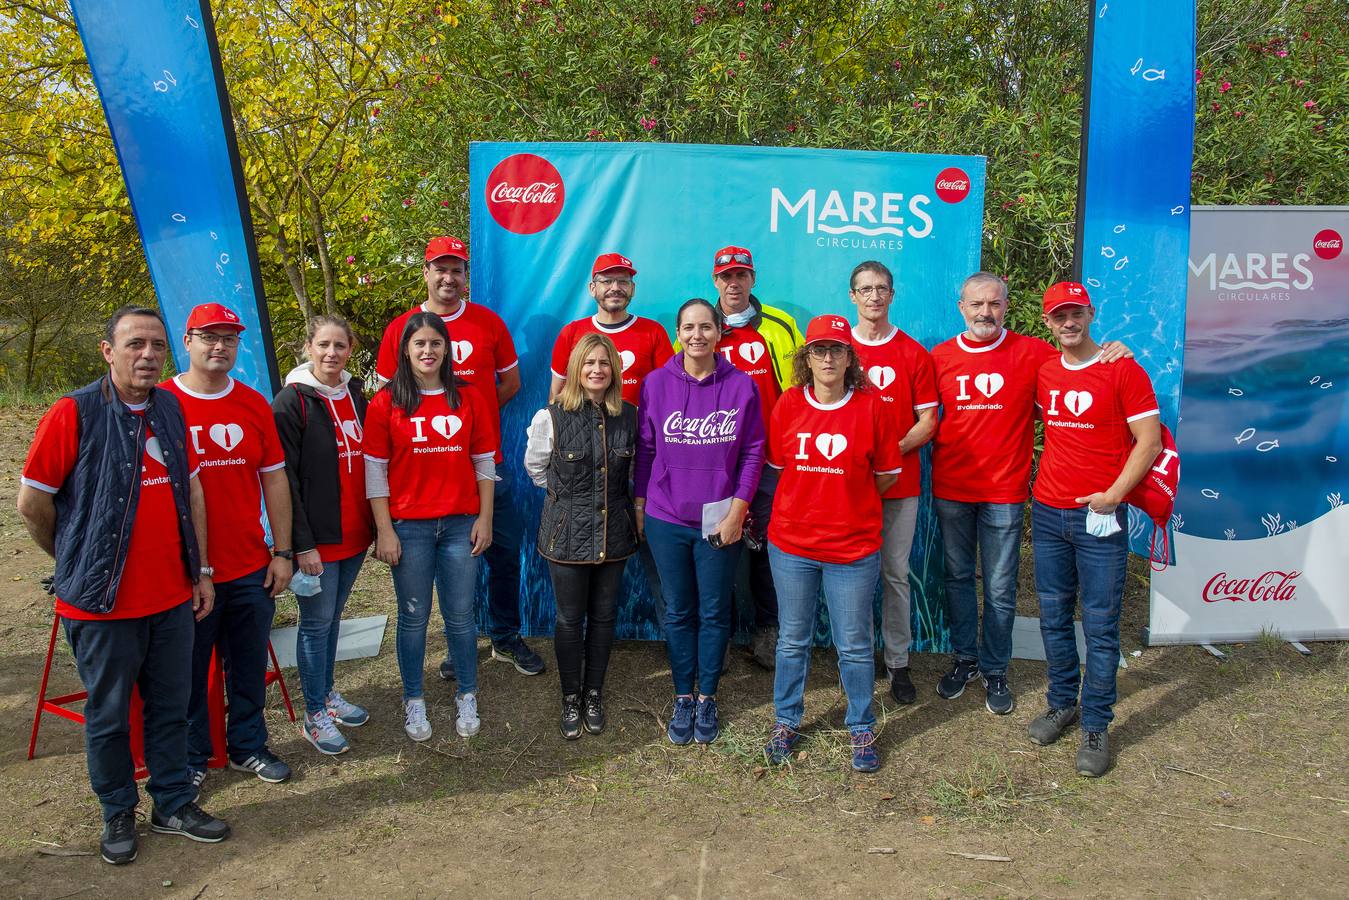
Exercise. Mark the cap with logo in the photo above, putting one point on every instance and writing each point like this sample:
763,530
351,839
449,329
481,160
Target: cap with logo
445,245
213,315
607,262
728,258
1065,293
829,328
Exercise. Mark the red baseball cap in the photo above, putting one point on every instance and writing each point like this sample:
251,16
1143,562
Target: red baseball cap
447,245
606,261
1065,293
829,328
213,315
732,258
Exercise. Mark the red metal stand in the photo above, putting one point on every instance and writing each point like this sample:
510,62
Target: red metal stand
215,691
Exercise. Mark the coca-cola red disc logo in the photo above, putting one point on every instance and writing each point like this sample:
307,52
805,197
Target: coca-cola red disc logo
525,193
1327,244
953,185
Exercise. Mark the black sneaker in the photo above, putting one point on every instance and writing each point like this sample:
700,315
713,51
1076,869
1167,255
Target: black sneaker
515,651
1093,757
197,775
901,686
593,712
570,722
1000,700
118,843
1049,726
265,765
447,670
191,821
963,671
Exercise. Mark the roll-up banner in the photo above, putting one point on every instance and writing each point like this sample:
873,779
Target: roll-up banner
542,212
1134,190
1261,530
157,68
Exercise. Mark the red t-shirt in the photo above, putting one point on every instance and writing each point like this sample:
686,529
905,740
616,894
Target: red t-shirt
430,453
826,507
749,352
642,345
358,525
982,450
900,369
480,347
234,434
1087,409
154,576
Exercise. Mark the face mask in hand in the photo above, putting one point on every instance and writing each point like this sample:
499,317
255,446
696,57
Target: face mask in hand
1101,525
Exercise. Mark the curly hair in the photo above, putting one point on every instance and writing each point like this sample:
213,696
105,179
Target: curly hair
853,377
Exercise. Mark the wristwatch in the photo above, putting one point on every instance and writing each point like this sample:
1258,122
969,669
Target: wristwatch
208,571
284,554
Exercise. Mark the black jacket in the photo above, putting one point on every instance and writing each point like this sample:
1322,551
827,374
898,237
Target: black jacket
309,439
587,515
96,506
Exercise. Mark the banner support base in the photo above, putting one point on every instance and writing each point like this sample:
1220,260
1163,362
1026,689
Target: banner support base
1300,648
1215,652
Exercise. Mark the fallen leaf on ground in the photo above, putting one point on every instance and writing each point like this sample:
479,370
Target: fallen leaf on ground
928,820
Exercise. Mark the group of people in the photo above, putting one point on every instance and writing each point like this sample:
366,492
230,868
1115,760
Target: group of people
740,433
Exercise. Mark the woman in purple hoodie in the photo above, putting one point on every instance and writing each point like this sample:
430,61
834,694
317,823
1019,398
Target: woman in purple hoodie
700,448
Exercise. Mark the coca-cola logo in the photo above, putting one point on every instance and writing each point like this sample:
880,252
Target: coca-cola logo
1272,586
953,185
1327,244
525,193
718,423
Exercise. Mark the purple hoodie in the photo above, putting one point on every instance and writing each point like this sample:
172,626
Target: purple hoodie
698,441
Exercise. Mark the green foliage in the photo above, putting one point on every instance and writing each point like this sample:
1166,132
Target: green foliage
354,121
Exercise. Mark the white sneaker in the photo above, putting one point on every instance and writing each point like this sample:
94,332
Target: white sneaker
468,723
415,723
320,730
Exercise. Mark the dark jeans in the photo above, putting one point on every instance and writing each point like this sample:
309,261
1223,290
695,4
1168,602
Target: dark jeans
503,562
587,604
761,587
154,654
1069,561
991,531
240,625
696,578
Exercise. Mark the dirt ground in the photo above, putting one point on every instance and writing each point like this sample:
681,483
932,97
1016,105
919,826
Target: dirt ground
1230,780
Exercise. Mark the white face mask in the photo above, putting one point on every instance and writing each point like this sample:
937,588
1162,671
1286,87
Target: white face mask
735,320
1101,525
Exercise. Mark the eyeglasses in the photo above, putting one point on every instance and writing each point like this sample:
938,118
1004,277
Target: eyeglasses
212,339
878,290
725,258
828,351
604,282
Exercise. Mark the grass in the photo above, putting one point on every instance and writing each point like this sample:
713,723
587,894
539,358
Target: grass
14,395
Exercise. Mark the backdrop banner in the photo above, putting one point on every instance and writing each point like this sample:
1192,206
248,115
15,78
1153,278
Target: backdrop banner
1260,527
542,212
157,69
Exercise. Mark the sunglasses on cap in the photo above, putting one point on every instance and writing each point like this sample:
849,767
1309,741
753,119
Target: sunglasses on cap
727,258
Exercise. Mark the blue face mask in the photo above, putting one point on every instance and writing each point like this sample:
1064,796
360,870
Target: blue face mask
1101,525
741,318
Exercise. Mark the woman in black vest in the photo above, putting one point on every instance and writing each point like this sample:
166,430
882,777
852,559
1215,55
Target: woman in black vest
580,448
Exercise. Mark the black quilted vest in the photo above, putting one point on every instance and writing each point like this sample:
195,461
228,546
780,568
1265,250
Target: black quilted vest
588,515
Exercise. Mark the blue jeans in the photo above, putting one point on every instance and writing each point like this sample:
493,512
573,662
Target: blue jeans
320,620
503,562
436,553
696,579
239,626
991,531
849,589
1068,561
153,653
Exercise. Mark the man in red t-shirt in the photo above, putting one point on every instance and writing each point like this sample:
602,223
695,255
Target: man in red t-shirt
981,462
243,467
484,356
643,345
114,450
1102,434
900,370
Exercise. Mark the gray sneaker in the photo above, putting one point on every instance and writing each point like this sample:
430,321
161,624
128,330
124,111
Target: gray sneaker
1050,725
118,842
1093,757
765,646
